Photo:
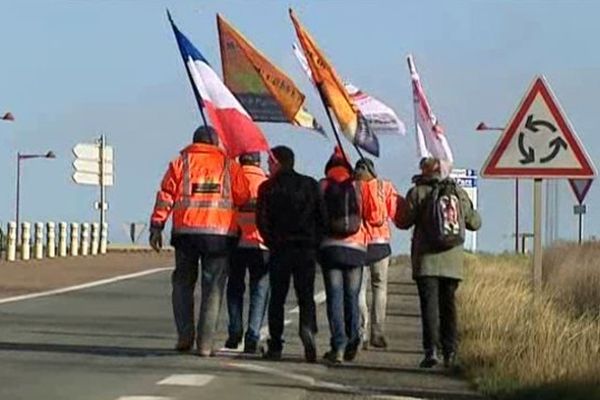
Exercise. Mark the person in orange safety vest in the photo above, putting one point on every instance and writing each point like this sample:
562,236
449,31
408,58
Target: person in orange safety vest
252,255
201,190
378,253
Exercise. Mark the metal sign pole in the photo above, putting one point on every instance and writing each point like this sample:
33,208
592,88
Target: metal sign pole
102,187
580,227
537,239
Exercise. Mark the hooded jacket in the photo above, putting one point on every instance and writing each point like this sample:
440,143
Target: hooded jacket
426,259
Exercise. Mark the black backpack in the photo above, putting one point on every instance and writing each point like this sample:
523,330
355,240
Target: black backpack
444,218
343,204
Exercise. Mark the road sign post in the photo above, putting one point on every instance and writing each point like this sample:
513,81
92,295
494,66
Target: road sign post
537,143
580,188
94,166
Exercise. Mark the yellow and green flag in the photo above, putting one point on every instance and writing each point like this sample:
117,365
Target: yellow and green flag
267,93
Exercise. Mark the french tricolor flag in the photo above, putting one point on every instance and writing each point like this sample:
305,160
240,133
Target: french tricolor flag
238,133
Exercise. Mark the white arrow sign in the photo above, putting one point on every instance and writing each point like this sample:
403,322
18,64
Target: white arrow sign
91,167
84,178
90,151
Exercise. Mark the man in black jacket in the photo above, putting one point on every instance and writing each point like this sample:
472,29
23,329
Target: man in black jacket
289,216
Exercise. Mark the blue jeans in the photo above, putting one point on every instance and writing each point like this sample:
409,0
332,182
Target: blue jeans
188,255
255,261
342,285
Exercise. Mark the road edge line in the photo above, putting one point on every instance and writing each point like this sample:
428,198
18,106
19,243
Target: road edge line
82,286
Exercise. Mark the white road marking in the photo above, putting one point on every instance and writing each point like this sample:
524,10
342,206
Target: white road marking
310,381
144,398
187,380
82,286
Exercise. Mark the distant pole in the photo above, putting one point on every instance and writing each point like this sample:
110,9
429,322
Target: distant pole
517,215
102,175
537,239
580,225
18,196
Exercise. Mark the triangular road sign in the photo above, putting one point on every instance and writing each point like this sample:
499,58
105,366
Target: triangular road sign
539,141
580,188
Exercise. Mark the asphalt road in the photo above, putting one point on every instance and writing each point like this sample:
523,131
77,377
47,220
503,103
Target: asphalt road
114,342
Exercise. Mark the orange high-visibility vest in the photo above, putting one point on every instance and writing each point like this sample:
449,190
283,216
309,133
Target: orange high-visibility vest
384,193
201,188
251,237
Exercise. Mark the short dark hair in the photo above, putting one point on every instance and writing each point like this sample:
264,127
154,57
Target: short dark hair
250,158
284,156
206,135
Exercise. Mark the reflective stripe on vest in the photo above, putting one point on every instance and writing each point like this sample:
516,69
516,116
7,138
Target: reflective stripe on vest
206,231
189,203
163,204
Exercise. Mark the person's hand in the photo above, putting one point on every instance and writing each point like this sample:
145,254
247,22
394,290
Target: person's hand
156,239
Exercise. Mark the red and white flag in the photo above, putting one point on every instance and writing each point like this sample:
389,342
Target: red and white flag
431,140
236,130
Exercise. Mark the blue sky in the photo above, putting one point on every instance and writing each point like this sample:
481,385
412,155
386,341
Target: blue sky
71,70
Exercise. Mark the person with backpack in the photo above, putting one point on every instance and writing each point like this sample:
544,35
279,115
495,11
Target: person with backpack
384,198
342,255
251,254
440,211
289,216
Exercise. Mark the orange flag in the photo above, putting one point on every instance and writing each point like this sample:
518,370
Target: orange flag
334,92
264,90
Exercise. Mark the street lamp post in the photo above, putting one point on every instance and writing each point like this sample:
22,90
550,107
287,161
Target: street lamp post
20,157
483,127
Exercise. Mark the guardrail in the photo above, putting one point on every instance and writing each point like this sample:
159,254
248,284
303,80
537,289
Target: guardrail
89,240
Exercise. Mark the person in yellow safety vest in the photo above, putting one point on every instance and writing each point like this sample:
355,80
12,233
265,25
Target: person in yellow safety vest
201,189
252,255
378,253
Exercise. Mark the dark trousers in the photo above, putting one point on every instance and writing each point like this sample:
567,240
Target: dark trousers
284,264
438,313
342,286
188,255
255,261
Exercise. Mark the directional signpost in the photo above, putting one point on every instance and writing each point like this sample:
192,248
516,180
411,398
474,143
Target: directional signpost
94,166
580,188
538,142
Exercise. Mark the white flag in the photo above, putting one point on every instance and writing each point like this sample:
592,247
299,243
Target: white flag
380,118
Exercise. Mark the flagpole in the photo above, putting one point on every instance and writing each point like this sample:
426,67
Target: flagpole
328,112
411,69
187,70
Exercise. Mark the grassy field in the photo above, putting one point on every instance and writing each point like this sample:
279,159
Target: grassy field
516,347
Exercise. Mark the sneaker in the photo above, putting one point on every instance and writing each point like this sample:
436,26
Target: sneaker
205,353
250,347
365,345
334,357
450,360
232,343
184,344
379,341
351,352
270,354
430,360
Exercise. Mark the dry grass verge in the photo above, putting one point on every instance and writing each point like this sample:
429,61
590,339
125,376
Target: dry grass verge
515,347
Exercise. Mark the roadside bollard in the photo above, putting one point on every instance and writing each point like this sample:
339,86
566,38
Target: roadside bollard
25,241
74,239
103,238
62,239
95,238
85,239
11,252
38,244
50,240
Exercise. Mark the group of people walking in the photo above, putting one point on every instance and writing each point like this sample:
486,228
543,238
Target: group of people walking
229,217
